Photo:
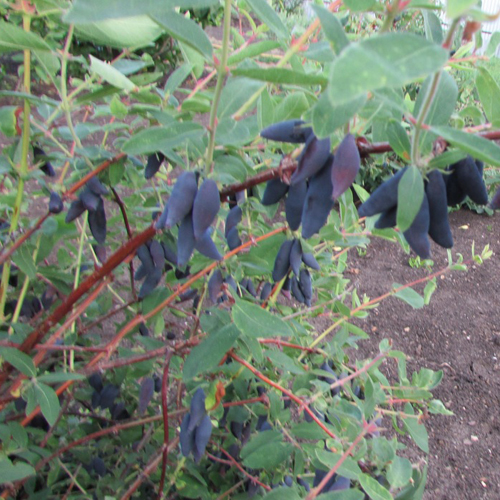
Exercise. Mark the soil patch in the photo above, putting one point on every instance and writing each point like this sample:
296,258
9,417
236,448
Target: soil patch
458,333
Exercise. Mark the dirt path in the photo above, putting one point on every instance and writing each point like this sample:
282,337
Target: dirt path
459,332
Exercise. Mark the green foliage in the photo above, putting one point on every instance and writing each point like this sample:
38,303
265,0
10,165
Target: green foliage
150,316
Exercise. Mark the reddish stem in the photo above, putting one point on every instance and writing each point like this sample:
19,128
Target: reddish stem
240,468
290,394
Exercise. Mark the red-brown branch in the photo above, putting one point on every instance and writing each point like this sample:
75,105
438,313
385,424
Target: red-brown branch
115,260
285,391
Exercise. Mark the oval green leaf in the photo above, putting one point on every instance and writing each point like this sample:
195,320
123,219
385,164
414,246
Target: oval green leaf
254,321
410,196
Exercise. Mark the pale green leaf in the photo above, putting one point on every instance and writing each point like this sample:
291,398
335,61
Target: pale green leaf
252,50
53,378
13,39
332,28
373,488
10,472
416,430
8,121
399,140
327,118
207,355
455,8
110,74
441,109
89,11
161,138
360,5
476,146
388,60
433,27
255,321
269,17
130,32
410,196
489,93
399,472
185,30
281,75
18,360
47,398
409,296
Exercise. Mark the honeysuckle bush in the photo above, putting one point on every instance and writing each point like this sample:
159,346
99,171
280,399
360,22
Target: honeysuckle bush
150,346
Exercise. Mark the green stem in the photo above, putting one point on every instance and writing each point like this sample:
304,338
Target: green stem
429,98
221,76
24,289
392,12
23,171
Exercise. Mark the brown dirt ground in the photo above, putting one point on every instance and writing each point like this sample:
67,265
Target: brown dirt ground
458,332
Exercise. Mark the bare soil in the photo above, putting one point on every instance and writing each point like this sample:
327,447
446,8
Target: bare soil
459,333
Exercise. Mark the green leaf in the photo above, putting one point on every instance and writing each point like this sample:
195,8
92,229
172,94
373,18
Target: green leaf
360,5
130,32
342,495
110,74
292,106
399,472
259,440
269,17
159,138
177,77
235,92
269,455
414,491
281,360
433,28
8,121
332,28
455,8
10,472
389,60
89,11
187,31
327,118
349,467
47,398
18,360
416,430
280,75
441,108
410,196
429,289
53,378
265,110
373,488
255,321
398,139
282,494
207,355
489,94
437,407
14,39
409,296
491,50
252,50
476,146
